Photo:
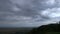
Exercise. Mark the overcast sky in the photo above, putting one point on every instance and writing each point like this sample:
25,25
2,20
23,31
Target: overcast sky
28,13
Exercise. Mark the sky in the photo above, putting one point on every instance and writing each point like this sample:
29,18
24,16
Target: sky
28,13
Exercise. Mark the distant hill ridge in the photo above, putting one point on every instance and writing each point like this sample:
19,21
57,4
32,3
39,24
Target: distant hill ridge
46,28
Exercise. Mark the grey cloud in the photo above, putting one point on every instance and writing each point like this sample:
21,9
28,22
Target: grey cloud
5,5
17,12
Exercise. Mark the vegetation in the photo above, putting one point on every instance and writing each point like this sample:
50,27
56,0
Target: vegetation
21,30
46,28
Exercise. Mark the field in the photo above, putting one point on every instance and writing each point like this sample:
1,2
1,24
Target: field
53,33
14,30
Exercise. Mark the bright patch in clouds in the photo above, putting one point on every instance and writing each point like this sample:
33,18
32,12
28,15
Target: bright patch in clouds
52,13
49,2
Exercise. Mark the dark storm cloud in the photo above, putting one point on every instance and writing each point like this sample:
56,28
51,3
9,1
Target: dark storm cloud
28,12
10,9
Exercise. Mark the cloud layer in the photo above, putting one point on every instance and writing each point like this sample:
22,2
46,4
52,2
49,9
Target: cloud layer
28,13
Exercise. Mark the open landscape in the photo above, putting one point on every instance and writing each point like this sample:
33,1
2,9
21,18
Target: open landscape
22,30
